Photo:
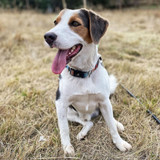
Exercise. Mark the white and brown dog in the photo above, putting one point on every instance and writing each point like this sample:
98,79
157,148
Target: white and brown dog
84,84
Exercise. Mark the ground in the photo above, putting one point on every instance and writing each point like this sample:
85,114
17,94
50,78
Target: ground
130,50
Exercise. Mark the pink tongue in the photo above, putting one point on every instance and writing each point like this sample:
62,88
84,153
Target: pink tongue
59,62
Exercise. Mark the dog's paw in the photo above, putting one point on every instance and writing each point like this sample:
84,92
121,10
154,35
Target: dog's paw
80,135
85,130
123,145
68,150
120,126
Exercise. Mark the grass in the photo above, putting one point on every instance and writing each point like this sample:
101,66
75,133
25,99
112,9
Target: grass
130,51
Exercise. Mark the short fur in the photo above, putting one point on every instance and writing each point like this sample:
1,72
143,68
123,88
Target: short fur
98,26
80,99
82,30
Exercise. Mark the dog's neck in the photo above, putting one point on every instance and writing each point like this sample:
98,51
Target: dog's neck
86,59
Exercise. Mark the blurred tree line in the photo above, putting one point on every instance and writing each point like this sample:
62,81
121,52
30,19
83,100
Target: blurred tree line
56,5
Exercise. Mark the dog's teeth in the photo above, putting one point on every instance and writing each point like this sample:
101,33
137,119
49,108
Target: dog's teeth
73,48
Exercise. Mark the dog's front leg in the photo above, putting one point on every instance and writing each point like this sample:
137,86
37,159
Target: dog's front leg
61,108
107,112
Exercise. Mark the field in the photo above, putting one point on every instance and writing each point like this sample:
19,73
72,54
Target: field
130,50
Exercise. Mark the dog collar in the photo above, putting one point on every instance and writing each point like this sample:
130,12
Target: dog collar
81,74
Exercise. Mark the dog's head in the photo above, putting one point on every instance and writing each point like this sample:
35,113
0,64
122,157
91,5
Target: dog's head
73,30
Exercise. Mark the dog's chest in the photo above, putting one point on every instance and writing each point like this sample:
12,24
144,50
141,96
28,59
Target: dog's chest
86,103
84,94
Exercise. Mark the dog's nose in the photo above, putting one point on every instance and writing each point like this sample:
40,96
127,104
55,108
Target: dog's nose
50,37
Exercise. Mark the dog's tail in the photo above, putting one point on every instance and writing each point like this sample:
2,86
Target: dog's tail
113,83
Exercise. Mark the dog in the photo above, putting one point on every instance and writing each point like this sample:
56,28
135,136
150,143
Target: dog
84,84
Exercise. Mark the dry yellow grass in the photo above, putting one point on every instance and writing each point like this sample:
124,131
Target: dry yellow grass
130,50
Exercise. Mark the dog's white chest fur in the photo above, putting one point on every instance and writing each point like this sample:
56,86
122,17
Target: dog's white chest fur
85,95
86,103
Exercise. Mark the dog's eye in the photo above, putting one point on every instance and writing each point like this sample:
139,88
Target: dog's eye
55,22
75,24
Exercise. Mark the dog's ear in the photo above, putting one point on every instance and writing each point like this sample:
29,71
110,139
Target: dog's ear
97,27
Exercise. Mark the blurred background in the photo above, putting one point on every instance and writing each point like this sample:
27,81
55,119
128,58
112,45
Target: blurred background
56,5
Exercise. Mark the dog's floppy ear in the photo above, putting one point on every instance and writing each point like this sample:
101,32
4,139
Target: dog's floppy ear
97,27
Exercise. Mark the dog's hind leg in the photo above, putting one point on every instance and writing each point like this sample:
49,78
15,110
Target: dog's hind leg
73,116
86,127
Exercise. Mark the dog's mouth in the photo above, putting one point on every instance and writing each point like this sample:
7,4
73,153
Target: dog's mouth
63,57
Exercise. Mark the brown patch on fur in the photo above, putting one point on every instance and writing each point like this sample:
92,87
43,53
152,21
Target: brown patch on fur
58,19
81,30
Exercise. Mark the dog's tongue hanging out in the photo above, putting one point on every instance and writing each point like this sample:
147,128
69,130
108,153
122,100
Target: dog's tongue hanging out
63,57
60,61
